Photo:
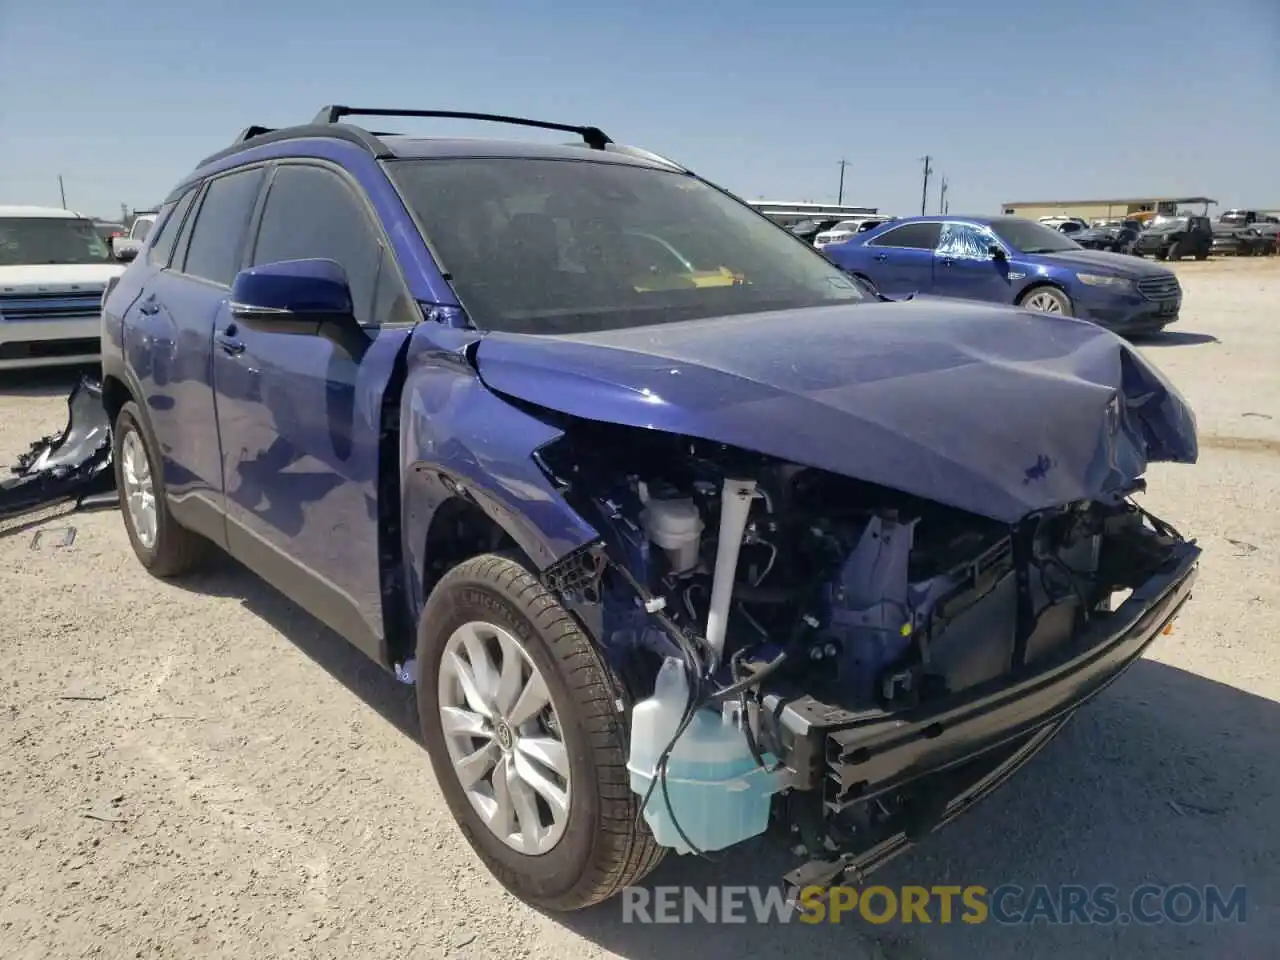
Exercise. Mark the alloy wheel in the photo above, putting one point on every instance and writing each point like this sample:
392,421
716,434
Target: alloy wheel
504,737
1044,301
139,489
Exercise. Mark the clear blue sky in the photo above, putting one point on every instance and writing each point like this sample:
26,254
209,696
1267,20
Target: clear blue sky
1015,99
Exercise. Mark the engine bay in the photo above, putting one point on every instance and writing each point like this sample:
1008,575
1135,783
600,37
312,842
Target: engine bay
800,603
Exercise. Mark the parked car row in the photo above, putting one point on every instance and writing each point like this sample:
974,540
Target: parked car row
1236,232
1255,239
682,534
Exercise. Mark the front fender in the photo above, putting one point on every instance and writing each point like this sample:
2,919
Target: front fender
459,439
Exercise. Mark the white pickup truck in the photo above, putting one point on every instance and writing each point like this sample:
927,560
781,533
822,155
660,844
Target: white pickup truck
54,268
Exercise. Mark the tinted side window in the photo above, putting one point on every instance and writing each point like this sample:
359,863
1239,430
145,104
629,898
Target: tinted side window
915,236
163,242
217,240
312,213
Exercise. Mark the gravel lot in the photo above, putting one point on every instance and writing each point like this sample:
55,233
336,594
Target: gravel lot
236,781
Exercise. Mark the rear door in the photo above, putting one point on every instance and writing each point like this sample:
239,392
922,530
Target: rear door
900,260
170,343
964,266
300,416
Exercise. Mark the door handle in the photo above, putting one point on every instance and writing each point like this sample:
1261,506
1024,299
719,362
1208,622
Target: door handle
149,307
229,342
882,256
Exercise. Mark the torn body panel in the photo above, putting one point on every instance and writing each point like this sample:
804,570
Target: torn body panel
73,466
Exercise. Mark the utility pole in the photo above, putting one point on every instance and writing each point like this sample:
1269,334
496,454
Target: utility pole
62,191
942,195
924,192
840,195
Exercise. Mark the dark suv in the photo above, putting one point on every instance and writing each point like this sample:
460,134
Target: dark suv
1176,238
679,533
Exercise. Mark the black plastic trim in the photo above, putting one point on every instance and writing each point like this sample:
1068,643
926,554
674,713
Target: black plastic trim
593,137
249,139
869,758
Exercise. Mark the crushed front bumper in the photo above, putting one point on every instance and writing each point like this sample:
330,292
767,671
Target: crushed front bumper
71,467
953,752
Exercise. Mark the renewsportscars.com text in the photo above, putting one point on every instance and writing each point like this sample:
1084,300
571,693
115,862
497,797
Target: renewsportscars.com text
1007,904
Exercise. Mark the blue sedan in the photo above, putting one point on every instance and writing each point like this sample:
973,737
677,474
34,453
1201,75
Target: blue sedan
1015,261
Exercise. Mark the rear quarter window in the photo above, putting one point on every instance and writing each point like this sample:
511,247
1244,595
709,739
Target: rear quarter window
216,248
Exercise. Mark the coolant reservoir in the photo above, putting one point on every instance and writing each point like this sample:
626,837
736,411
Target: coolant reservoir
717,792
675,526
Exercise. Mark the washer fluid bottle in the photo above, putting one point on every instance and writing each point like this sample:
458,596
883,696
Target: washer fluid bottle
718,793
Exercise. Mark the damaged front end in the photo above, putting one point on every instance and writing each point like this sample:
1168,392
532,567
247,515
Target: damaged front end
853,664
72,467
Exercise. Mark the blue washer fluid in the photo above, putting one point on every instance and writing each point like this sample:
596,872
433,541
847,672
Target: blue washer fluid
719,794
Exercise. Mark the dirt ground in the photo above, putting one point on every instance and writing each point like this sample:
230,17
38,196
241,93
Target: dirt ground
199,769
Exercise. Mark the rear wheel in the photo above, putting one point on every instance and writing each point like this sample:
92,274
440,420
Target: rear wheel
524,731
1047,300
163,546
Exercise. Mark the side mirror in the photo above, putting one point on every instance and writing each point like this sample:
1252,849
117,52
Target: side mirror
309,298
292,296
125,250
996,251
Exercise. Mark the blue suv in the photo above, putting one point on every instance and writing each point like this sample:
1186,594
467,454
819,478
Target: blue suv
682,536
1015,261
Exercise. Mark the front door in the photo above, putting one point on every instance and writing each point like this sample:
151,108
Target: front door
300,417
964,266
900,260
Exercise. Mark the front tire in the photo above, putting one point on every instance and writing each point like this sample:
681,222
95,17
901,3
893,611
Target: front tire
1047,300
160,543
1174,252
521,721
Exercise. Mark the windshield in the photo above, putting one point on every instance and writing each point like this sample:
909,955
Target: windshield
1031,237
29,240
556,246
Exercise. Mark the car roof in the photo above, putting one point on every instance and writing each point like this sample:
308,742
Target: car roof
984,221
331,124
44,213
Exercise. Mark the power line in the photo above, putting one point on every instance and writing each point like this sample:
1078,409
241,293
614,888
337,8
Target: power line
924,191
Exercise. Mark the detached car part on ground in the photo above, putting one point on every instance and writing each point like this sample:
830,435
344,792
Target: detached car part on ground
72,468
673,565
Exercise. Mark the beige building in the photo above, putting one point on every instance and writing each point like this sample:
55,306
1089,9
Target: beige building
1104,209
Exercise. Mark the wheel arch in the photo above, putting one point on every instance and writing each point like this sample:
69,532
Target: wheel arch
1035,283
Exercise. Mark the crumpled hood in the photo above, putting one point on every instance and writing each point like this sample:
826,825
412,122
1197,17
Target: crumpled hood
996,411
1116,263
